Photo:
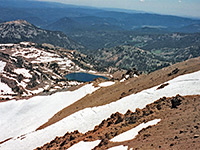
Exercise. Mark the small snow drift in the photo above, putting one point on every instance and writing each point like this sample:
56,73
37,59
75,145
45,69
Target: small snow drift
105,84
128,135
84,145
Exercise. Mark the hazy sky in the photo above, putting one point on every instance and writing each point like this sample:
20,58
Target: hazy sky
175,7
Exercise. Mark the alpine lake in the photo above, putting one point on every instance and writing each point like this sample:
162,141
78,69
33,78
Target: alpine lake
83,77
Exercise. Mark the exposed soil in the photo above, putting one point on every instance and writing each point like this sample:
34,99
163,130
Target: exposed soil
133,85
179,127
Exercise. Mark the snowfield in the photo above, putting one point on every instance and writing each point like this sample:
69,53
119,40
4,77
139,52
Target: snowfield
130,134
23,117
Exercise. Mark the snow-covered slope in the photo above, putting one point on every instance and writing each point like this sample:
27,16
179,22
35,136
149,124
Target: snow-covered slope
86,119
24,116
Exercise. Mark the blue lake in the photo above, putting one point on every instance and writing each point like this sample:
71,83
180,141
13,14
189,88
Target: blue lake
82,77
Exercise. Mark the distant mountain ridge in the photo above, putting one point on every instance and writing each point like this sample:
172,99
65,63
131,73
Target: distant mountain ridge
48,13
21,30
84,24
116,21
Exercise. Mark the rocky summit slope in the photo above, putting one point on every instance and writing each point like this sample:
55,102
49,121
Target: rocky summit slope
27,69
178,128
21,30
111,115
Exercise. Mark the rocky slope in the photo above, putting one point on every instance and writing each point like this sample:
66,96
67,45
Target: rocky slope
28,69
178,115
21,30
178,128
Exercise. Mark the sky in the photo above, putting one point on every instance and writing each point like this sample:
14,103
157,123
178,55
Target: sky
190,8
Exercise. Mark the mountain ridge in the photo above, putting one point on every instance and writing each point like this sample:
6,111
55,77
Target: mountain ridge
21,30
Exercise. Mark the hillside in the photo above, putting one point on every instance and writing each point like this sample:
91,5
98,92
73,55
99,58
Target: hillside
85,108
28,69
145,52
20,30
127,57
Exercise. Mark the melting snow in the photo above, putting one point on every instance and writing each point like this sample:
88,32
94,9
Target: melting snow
129,135
105,84
84,145
25,116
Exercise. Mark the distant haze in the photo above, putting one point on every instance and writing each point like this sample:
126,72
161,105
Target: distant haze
173,7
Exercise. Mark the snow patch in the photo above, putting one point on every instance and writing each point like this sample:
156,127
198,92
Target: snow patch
5,89
25,43
130,134
105,84
8,45
23,71
2,65
84,145
122,80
